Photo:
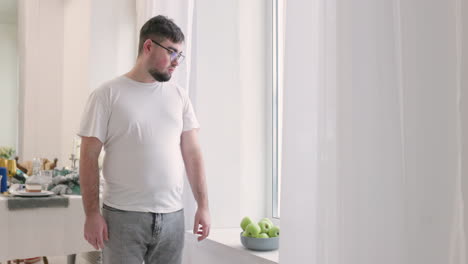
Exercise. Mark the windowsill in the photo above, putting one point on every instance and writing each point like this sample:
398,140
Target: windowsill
229,238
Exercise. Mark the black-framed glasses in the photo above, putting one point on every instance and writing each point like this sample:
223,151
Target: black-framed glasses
177,56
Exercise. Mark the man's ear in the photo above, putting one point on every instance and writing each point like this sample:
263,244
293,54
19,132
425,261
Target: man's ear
147,46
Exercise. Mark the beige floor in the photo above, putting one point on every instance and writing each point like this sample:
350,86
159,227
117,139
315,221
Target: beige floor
63,260
84,258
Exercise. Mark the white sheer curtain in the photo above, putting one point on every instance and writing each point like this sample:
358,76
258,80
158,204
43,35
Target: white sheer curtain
373,131
182,12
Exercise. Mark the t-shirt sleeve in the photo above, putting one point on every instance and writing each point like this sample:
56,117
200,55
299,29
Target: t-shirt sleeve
95,117
190,119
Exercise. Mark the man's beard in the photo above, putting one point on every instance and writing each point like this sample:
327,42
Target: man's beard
159,76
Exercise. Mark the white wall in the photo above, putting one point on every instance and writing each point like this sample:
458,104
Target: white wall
9,84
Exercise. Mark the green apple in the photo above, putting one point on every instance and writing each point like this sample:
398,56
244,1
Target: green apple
245,234
253,229
245,222
265,226
263,235
274,231
267,219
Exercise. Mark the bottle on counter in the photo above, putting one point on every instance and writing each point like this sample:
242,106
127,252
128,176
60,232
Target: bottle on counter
3,175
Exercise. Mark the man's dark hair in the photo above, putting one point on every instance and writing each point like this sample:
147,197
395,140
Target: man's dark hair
160,28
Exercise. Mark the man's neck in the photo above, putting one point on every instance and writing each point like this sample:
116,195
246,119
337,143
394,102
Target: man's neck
140,75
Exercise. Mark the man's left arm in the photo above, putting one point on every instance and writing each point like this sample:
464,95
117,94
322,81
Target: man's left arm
193,160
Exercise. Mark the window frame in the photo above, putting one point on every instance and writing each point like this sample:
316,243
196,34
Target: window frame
276,110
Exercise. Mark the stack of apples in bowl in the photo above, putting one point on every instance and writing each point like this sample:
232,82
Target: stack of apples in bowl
261,236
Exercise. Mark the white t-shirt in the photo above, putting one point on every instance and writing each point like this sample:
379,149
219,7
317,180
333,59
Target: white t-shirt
140,125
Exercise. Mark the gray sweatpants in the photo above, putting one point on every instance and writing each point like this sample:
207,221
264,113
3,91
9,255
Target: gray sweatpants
135,237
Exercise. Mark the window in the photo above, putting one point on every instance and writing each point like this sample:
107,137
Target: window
277,102
9,69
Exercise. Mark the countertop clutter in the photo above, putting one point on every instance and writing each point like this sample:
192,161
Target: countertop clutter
41,209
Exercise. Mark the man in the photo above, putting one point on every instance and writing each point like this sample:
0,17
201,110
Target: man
149,132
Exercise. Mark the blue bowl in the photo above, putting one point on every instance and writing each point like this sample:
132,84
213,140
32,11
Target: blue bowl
260,244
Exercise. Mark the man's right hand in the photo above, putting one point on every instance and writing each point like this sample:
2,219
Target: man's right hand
95,230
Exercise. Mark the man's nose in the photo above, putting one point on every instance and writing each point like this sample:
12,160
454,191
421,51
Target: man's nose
175,63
